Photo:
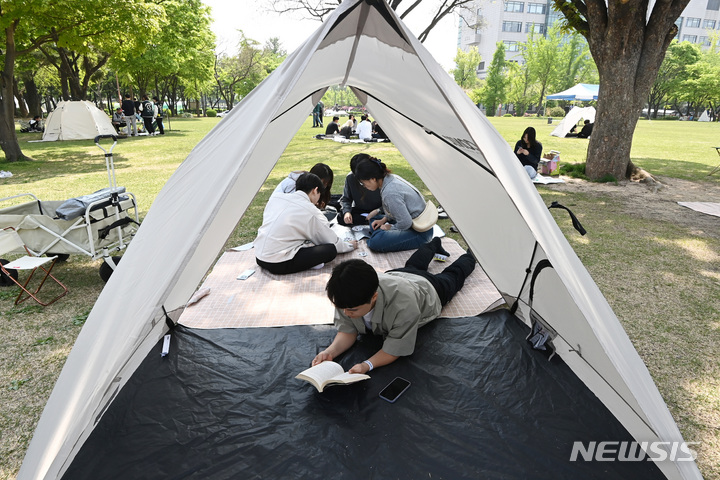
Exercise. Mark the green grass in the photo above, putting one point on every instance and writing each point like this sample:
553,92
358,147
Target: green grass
662,280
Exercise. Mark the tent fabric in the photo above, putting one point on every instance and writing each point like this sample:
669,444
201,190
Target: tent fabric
480,400
77,120
704,117
580,92
457,153
572,118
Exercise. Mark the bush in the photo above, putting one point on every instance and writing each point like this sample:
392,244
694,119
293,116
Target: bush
574,170
211,112
556,112
187,115
508,115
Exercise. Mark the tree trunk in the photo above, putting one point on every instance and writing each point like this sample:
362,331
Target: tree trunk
22,106
32,97
615,121
8,137
628,47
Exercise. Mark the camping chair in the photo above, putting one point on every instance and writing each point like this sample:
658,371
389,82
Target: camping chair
10,241
717,149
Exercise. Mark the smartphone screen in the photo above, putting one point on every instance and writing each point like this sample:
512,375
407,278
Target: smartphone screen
394,389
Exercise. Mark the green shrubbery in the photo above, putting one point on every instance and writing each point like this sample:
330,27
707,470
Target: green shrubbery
211,112
556,112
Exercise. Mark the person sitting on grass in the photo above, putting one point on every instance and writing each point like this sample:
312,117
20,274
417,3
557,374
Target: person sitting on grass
295,235
528,150
392,304
333,127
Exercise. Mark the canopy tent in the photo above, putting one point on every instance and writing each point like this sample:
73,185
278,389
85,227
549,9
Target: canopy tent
704,117
581,91
453,148
572,118
77,120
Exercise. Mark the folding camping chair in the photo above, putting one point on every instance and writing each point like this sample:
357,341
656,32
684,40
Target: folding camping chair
717,149
10,242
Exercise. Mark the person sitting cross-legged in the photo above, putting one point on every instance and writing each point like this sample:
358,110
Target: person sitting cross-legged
295,235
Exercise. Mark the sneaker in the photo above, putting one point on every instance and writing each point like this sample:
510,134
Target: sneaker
317,267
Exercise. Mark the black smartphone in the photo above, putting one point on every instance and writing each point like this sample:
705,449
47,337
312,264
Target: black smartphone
394,389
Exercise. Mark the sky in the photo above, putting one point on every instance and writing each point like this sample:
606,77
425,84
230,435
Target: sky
251,17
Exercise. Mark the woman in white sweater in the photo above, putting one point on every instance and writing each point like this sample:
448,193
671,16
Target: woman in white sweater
295,235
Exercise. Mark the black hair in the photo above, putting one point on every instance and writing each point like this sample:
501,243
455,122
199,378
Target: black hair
530,131
356,158
352,283
307,182
326,175
156,99
336,118
371,168
586,122
363,118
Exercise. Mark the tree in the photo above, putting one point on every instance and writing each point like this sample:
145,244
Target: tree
680,55
465,71
237,75
30,24
493,93
319,10
520,87
628,41
575,63
542,55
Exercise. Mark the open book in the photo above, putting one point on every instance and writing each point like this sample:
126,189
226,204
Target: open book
329,373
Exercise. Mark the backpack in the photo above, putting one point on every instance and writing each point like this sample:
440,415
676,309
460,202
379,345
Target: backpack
147,109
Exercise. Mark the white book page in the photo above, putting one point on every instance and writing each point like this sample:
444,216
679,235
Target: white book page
323,371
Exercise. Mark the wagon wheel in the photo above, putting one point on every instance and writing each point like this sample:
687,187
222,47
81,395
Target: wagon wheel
6,281
106,270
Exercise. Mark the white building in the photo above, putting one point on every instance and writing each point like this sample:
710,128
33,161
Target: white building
510,21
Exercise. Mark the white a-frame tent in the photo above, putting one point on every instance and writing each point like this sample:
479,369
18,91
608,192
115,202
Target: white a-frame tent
457,153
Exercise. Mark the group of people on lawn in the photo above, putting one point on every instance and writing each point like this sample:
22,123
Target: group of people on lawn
150,112
296,235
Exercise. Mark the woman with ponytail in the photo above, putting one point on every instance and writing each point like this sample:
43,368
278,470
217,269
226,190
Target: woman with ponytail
401,202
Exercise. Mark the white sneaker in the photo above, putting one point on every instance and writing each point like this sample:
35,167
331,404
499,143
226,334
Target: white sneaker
318,267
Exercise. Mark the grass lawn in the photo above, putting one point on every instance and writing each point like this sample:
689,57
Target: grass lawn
662,280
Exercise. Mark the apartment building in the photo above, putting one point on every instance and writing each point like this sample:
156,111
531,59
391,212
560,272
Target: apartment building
510,22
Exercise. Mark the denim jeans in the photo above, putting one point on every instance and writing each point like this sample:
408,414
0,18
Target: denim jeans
397,240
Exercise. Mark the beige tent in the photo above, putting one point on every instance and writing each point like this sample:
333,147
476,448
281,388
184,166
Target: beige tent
80,120
458,154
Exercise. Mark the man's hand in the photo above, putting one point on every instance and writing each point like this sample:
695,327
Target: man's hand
360,368
348,218
322,357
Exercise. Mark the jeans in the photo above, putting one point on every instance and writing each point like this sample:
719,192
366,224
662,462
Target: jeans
131,123
532,171
397,240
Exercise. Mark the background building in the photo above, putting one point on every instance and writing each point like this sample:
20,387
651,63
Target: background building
510,22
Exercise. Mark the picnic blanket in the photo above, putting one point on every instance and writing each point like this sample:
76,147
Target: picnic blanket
547,179
703,207
265,300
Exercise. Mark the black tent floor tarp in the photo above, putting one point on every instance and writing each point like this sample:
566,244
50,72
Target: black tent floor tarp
225,405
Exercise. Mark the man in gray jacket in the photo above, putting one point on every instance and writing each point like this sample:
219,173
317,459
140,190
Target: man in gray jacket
392,304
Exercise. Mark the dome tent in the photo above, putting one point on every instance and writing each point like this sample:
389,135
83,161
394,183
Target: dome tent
77,120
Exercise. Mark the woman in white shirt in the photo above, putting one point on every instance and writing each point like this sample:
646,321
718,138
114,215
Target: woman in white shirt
295,235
